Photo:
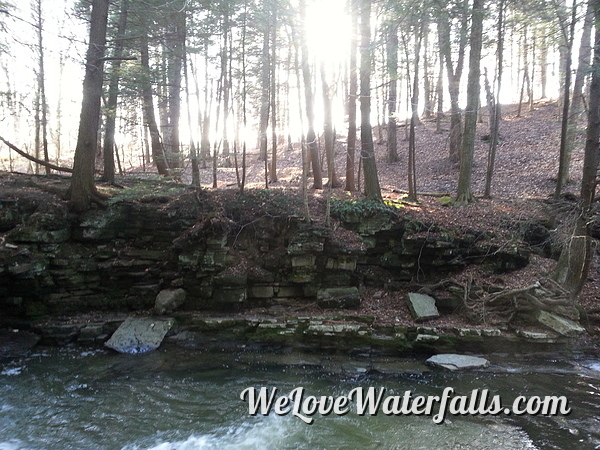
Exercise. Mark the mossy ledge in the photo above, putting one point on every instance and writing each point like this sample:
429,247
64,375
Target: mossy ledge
73,277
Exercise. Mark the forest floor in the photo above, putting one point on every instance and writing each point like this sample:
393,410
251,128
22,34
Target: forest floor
523,184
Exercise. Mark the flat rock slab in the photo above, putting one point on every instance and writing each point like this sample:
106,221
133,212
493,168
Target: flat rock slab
560,324
421,306
454,362
139,334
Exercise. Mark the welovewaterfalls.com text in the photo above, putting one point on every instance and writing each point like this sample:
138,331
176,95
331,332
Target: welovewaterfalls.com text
372,401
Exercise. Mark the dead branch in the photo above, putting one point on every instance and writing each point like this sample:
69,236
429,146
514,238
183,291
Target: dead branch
34,159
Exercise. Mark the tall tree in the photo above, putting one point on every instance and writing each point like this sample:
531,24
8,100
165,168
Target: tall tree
42,119
158,152
83,191
372,188
113,93
311,137
574,261
328,132
414,117
464,193
392,66
352,91
564,156
495,115
454,72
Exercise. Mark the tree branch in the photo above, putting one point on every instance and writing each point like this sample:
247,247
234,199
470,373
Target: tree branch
34,159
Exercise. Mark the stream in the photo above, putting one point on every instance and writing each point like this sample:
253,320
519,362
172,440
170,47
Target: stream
175,398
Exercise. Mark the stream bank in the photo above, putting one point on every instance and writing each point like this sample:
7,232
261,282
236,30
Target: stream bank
252,270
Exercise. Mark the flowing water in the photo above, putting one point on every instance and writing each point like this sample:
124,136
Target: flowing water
187,399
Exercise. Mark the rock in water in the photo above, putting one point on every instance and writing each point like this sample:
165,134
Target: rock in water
168,300
15,343
421,306
457,362
139,334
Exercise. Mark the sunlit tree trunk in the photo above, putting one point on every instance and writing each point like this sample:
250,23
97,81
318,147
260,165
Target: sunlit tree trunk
158,154
328,130
392,66
311,137
273,88
113,93
372,188
352,91
412,172
265,98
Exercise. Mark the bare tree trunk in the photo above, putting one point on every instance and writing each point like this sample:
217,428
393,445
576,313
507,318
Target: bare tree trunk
352,91
175,64
328,131
265,99
565,156
392,66
43,104
543,61
583,70
158,153
464,193
113,93
574,261
454,74
311,137
427,79
496,116
83,190
412,172
440,96
372,188
193,151
273,166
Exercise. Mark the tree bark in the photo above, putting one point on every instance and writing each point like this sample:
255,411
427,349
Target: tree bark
464,193
311,137
352,91
564,156
392,66
113,93
454,73
83,190
574,261
158,154
372,188
496,116
328,133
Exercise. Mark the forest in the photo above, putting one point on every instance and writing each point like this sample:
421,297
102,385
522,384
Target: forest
194,90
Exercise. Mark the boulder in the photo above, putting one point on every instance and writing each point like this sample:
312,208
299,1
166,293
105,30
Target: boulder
139,334
421,306
168,300
457,362
15,343
561,325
